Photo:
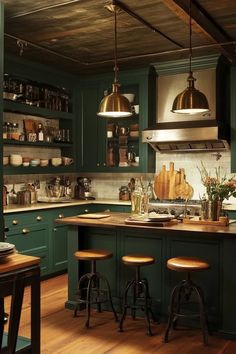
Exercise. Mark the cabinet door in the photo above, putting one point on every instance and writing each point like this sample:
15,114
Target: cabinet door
92,130
59,250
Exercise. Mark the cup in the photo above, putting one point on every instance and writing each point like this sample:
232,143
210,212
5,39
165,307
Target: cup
136,109
67,161
44,162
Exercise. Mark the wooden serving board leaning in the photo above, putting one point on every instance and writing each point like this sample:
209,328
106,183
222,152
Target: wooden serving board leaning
172,184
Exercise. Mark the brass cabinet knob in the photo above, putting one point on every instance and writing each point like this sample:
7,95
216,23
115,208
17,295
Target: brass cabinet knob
104,164
15,222
25,231
60,216
98,164
86,211
55,229
39,218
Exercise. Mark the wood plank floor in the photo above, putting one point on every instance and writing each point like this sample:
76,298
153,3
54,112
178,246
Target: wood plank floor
61,333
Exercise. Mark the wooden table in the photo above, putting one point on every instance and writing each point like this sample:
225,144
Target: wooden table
16,272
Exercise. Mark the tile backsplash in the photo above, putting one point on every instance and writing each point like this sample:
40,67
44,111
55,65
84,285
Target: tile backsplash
106,185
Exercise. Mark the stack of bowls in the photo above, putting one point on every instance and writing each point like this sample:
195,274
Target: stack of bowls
15,160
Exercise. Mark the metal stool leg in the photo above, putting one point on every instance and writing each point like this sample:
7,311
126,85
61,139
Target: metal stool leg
109,296
88,300
81,280
147,308
171,311
202,316
125,305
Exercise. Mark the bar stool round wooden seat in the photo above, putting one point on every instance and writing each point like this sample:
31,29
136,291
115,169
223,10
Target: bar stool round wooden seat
183,290
140,291
92,292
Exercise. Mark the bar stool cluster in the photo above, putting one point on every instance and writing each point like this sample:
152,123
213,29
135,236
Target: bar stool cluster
136,294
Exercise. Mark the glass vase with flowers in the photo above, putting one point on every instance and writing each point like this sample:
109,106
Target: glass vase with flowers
218,188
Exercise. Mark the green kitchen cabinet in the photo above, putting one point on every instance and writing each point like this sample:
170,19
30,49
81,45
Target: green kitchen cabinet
29,232
96,144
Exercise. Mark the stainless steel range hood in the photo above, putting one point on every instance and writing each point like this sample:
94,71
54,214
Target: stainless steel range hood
187,136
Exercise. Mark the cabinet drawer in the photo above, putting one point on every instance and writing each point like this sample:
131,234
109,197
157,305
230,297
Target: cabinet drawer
30,238
69,211
13,221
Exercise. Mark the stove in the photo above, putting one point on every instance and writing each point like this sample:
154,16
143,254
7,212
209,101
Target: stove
177,207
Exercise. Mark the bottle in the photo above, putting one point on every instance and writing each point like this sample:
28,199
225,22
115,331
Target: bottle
40,133
136,199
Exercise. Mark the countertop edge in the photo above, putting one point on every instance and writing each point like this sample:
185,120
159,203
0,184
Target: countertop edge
40,206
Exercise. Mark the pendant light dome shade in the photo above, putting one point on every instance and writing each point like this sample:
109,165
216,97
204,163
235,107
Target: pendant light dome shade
191,100
115,105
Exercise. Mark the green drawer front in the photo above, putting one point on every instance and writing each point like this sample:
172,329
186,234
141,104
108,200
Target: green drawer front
13,221
30,238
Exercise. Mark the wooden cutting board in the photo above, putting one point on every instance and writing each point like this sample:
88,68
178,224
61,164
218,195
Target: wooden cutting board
172,184
161,184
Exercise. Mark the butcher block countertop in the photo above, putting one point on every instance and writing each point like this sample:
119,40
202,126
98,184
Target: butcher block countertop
117,220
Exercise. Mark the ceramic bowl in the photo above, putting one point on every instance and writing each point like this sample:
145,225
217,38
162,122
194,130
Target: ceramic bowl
34,162
44,162
129,96
56,161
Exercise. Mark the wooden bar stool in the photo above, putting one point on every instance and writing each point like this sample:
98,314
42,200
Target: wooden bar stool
183,290
140,291
92,293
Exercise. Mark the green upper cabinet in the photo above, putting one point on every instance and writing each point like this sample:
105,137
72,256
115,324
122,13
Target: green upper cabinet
114,145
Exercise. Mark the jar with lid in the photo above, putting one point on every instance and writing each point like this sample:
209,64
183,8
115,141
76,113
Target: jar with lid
4,130
9,130
15,131
124,193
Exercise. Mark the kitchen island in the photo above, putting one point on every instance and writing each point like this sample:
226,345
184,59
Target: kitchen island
215,244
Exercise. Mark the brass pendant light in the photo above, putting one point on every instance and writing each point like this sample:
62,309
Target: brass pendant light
115,105
191,100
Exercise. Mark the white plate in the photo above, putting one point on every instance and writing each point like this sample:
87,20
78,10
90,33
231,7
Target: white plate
5,246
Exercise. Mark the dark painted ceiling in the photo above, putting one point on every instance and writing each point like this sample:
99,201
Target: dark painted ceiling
78,35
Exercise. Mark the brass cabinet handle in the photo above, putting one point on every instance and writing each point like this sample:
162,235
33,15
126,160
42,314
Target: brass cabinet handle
25,231
15,222
107,211
39,218
60,216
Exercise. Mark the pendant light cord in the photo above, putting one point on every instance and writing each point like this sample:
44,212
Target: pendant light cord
115,49
190,37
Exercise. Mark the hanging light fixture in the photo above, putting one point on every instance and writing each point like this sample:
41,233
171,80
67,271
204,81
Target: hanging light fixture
191,100
115,105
